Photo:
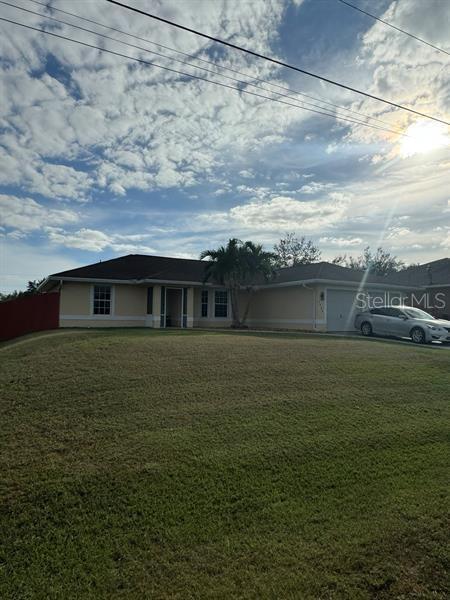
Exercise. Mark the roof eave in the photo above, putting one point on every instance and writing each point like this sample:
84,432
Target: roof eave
125,281
319,281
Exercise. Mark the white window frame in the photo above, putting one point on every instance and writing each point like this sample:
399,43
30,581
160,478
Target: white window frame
112,302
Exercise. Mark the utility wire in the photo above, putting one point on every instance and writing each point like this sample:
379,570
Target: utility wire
184,62
394,27
275,61
225,85
208,62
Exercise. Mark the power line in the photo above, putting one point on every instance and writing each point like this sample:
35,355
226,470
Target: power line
187,63
394,27
275,61
208,62
225,85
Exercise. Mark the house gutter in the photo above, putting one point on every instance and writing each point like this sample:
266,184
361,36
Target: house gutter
344,283
129,281
301,282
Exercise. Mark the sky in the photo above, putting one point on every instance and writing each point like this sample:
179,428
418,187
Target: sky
102,156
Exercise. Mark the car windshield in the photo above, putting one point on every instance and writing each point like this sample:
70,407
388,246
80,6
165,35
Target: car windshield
416,313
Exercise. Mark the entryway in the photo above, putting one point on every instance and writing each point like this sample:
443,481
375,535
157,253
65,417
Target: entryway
174,303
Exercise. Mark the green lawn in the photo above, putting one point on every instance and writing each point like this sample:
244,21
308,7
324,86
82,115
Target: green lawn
139,464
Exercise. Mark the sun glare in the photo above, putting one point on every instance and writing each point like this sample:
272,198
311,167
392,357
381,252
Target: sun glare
424,136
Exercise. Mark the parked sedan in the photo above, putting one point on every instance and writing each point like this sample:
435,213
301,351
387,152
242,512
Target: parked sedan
403,321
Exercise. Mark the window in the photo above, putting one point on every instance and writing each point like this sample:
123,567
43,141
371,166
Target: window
150,301
102,299
379,311
416,313
204,303
221,304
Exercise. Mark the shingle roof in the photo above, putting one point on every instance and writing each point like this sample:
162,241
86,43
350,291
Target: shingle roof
328,271
436,272
143,267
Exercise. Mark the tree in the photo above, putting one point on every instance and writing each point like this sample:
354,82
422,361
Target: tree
238,266
379,263
292,251
32,288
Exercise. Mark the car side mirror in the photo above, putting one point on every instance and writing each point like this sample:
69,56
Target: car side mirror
404,317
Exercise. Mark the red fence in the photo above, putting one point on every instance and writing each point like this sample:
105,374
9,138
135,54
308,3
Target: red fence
29,313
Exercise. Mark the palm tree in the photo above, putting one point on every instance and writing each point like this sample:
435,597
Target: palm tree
238,266
259,267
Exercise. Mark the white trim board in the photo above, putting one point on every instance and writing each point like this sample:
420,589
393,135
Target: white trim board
100,318
287,321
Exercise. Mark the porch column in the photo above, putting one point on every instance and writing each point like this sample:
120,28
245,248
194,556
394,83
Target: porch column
156,306
190,307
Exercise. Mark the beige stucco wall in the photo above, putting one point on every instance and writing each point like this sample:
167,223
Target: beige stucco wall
320,314
290,307
127,301
129,306
283,302
75,299
130,300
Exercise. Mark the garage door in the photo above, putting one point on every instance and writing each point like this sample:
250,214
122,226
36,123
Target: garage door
341,310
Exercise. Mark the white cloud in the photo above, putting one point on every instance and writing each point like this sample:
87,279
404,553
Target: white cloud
341,242
314,187
402,69
26,215
94,240
278,214
445,243
102,127
136,127
247,173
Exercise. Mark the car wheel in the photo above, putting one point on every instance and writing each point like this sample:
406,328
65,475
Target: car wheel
366,328
418,335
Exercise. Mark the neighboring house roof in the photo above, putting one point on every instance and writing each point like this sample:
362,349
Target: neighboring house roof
433,273
141,267
329,272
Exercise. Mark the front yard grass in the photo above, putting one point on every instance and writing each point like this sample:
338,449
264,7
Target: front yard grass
140,464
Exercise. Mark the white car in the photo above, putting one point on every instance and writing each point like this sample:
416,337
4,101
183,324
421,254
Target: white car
403,321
